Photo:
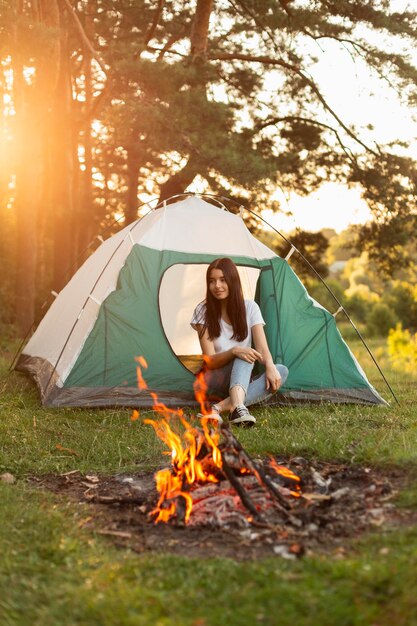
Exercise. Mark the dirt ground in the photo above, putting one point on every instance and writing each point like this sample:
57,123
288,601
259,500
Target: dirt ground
339,503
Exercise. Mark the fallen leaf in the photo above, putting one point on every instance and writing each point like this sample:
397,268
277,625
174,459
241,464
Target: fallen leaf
297,549
84,521
63,449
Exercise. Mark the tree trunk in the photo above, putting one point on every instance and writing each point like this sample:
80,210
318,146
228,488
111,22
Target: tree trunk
63,173
28,176
200,30
85,221
177,183
31,98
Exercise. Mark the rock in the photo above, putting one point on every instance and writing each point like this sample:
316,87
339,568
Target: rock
284,551
7,478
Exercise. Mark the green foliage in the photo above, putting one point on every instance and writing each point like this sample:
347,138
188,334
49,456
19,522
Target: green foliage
402,297
402,349
313,247
164,115
176,96
340,246
358,307
380,319
366,290
389,188
319,292
362,277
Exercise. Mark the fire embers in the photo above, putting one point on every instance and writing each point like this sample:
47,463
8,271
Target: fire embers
196,459
213,480
210,456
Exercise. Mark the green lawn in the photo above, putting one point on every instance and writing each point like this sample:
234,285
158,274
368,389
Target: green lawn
53,571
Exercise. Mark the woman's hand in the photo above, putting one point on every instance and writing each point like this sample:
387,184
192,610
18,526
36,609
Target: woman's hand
273,378
247,354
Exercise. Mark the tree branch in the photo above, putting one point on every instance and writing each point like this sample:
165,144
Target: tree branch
306,120
171,40
362,51
258,23
200,28
165,50
295,69
86,42
151,31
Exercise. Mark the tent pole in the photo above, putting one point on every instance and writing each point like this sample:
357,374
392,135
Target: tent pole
333,295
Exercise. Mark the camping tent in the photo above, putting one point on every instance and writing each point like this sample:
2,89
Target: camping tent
134,297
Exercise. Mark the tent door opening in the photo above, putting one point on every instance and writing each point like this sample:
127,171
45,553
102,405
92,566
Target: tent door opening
182,287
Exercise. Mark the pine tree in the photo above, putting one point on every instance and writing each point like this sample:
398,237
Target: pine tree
116,101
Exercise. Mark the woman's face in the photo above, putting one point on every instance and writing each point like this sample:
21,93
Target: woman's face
217,285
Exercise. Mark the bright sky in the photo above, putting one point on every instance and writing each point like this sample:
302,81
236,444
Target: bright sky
361,99
332,206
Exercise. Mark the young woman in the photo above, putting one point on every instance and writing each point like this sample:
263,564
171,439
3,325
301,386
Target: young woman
227,325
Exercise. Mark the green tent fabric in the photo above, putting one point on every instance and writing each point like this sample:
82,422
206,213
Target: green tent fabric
304,336
93,363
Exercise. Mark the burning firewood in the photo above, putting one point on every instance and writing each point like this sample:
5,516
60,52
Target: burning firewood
209,454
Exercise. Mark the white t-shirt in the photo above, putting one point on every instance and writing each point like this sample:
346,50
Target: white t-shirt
224,341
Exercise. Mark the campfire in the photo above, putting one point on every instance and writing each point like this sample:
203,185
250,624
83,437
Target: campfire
215,498
211,475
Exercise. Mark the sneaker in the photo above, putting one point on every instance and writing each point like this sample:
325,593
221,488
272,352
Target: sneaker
241,416
213,415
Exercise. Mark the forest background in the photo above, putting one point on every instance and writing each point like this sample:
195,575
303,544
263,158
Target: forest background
107,104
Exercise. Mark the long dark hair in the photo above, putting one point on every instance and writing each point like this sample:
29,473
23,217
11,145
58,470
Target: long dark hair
236,309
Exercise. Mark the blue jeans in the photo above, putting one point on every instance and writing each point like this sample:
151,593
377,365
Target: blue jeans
239,372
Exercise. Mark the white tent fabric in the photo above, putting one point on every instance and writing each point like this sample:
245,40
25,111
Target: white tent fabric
62,333
182,287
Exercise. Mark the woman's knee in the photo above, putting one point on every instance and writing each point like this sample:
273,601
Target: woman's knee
238,386
282,371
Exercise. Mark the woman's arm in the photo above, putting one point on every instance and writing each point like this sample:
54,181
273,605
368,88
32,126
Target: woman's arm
215,360
273,379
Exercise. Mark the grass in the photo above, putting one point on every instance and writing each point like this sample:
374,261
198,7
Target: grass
55,572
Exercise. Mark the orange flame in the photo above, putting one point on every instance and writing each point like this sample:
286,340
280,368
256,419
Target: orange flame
200,391
135,415
187,467
195,453
185,448
141,364
287,473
